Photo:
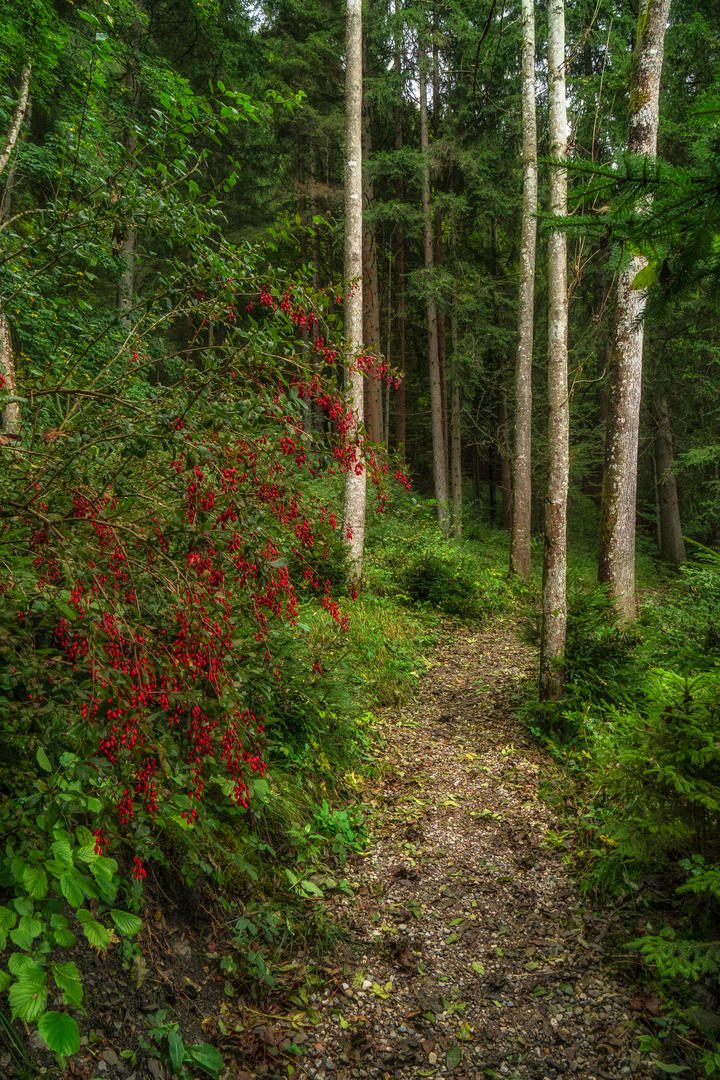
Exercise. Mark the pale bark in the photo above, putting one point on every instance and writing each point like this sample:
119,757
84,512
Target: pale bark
439,260
16,123
127,245
355,482
672,545
522,492
371,294
554,600
11,414
455,424
617,528
436,417
399,256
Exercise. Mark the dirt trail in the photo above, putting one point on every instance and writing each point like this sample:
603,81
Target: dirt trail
471,952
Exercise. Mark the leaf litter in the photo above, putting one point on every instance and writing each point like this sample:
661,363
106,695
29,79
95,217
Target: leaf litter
478,954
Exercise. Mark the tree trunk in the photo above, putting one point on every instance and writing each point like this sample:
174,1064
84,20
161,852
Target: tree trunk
388,358
522,491
355,482
436,417
314,235
616,564
455,432
399,257
11,413
477,493
554,601
504,448
371,293
127,245
302,205
672,545
442,346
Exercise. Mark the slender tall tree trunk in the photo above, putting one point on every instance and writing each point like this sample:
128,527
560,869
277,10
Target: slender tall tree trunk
314,235
672,545
10,416
355,482
128,240
477,491
302,203
617,526
388,357
438,179
554,602
455,419
436,416
399,256
522,491
371,292
504,448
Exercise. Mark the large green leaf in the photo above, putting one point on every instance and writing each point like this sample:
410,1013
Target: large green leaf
126,923
177,1050
65,938
24,967
43,760
95,932
62,852
5,980
8,918
207,1058
26,931
28,999
71,890
67,978
31,926
60,1032
87,854
36,882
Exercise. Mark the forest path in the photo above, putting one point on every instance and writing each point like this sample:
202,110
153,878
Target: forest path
471,951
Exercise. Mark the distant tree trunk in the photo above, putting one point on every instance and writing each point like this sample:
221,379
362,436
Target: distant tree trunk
371,292
11,413
127,240
455,420
617,526
302,203
400,433
355,482
442,345
492,485
554,601
672,545
522,492
314,235
436,417
388,358
504,448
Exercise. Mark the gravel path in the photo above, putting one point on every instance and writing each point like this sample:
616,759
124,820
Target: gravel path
471,952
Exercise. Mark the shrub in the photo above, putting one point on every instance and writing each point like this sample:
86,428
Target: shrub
444,578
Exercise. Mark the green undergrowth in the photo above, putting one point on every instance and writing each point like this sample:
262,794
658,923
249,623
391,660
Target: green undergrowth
636,742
